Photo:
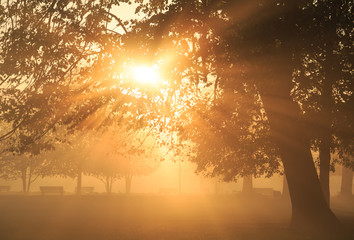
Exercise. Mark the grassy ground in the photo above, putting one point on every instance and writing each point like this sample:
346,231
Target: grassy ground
150,217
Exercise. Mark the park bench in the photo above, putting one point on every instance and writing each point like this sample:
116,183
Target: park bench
264,191
267,192
4,189
86,190
52,190
167,190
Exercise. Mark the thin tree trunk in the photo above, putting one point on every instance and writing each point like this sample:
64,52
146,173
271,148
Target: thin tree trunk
79,182
247,185
29,183
108,184
128,183
347,182
29,179
24,179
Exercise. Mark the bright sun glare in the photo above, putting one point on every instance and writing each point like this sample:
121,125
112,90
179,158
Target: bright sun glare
146,75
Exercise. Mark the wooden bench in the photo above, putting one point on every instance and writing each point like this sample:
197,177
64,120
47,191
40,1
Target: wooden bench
86,190
52,190
4,189
264,191
267,192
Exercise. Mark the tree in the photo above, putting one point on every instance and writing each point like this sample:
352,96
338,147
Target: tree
224,119
247,185
71,153
140,156
118,151
105,163
55,56
285,192
272,38
264,39
22,158
322,81
57,68
347,182
247,46
23,167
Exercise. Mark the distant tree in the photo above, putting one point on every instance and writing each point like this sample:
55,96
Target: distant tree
138,154
346,182
139,165
117,151
22,159
70,156
247,184
104,161
23,167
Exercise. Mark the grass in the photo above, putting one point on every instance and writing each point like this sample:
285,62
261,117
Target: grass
101,217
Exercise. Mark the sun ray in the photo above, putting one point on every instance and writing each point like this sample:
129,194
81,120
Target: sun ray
147,75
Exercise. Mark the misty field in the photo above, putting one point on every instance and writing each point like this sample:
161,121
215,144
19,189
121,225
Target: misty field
152,217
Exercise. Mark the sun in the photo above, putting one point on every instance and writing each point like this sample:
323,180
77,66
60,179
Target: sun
147,75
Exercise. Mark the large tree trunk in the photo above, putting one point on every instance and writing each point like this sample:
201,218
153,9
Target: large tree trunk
347,182
309,206
325,159
310,210
285,192
247,185
325,120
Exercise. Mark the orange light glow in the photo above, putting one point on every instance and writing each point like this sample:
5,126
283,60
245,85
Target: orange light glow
147,75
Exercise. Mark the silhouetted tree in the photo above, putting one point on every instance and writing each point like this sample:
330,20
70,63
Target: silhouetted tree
71,154
261,38
323,81
248,47
24,159
285,192
58,66
119,152
247,184
54,59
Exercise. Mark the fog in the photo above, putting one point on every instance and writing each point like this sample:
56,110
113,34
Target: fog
166,176
176,119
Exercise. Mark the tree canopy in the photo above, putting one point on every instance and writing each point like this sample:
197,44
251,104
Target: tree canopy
252,84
